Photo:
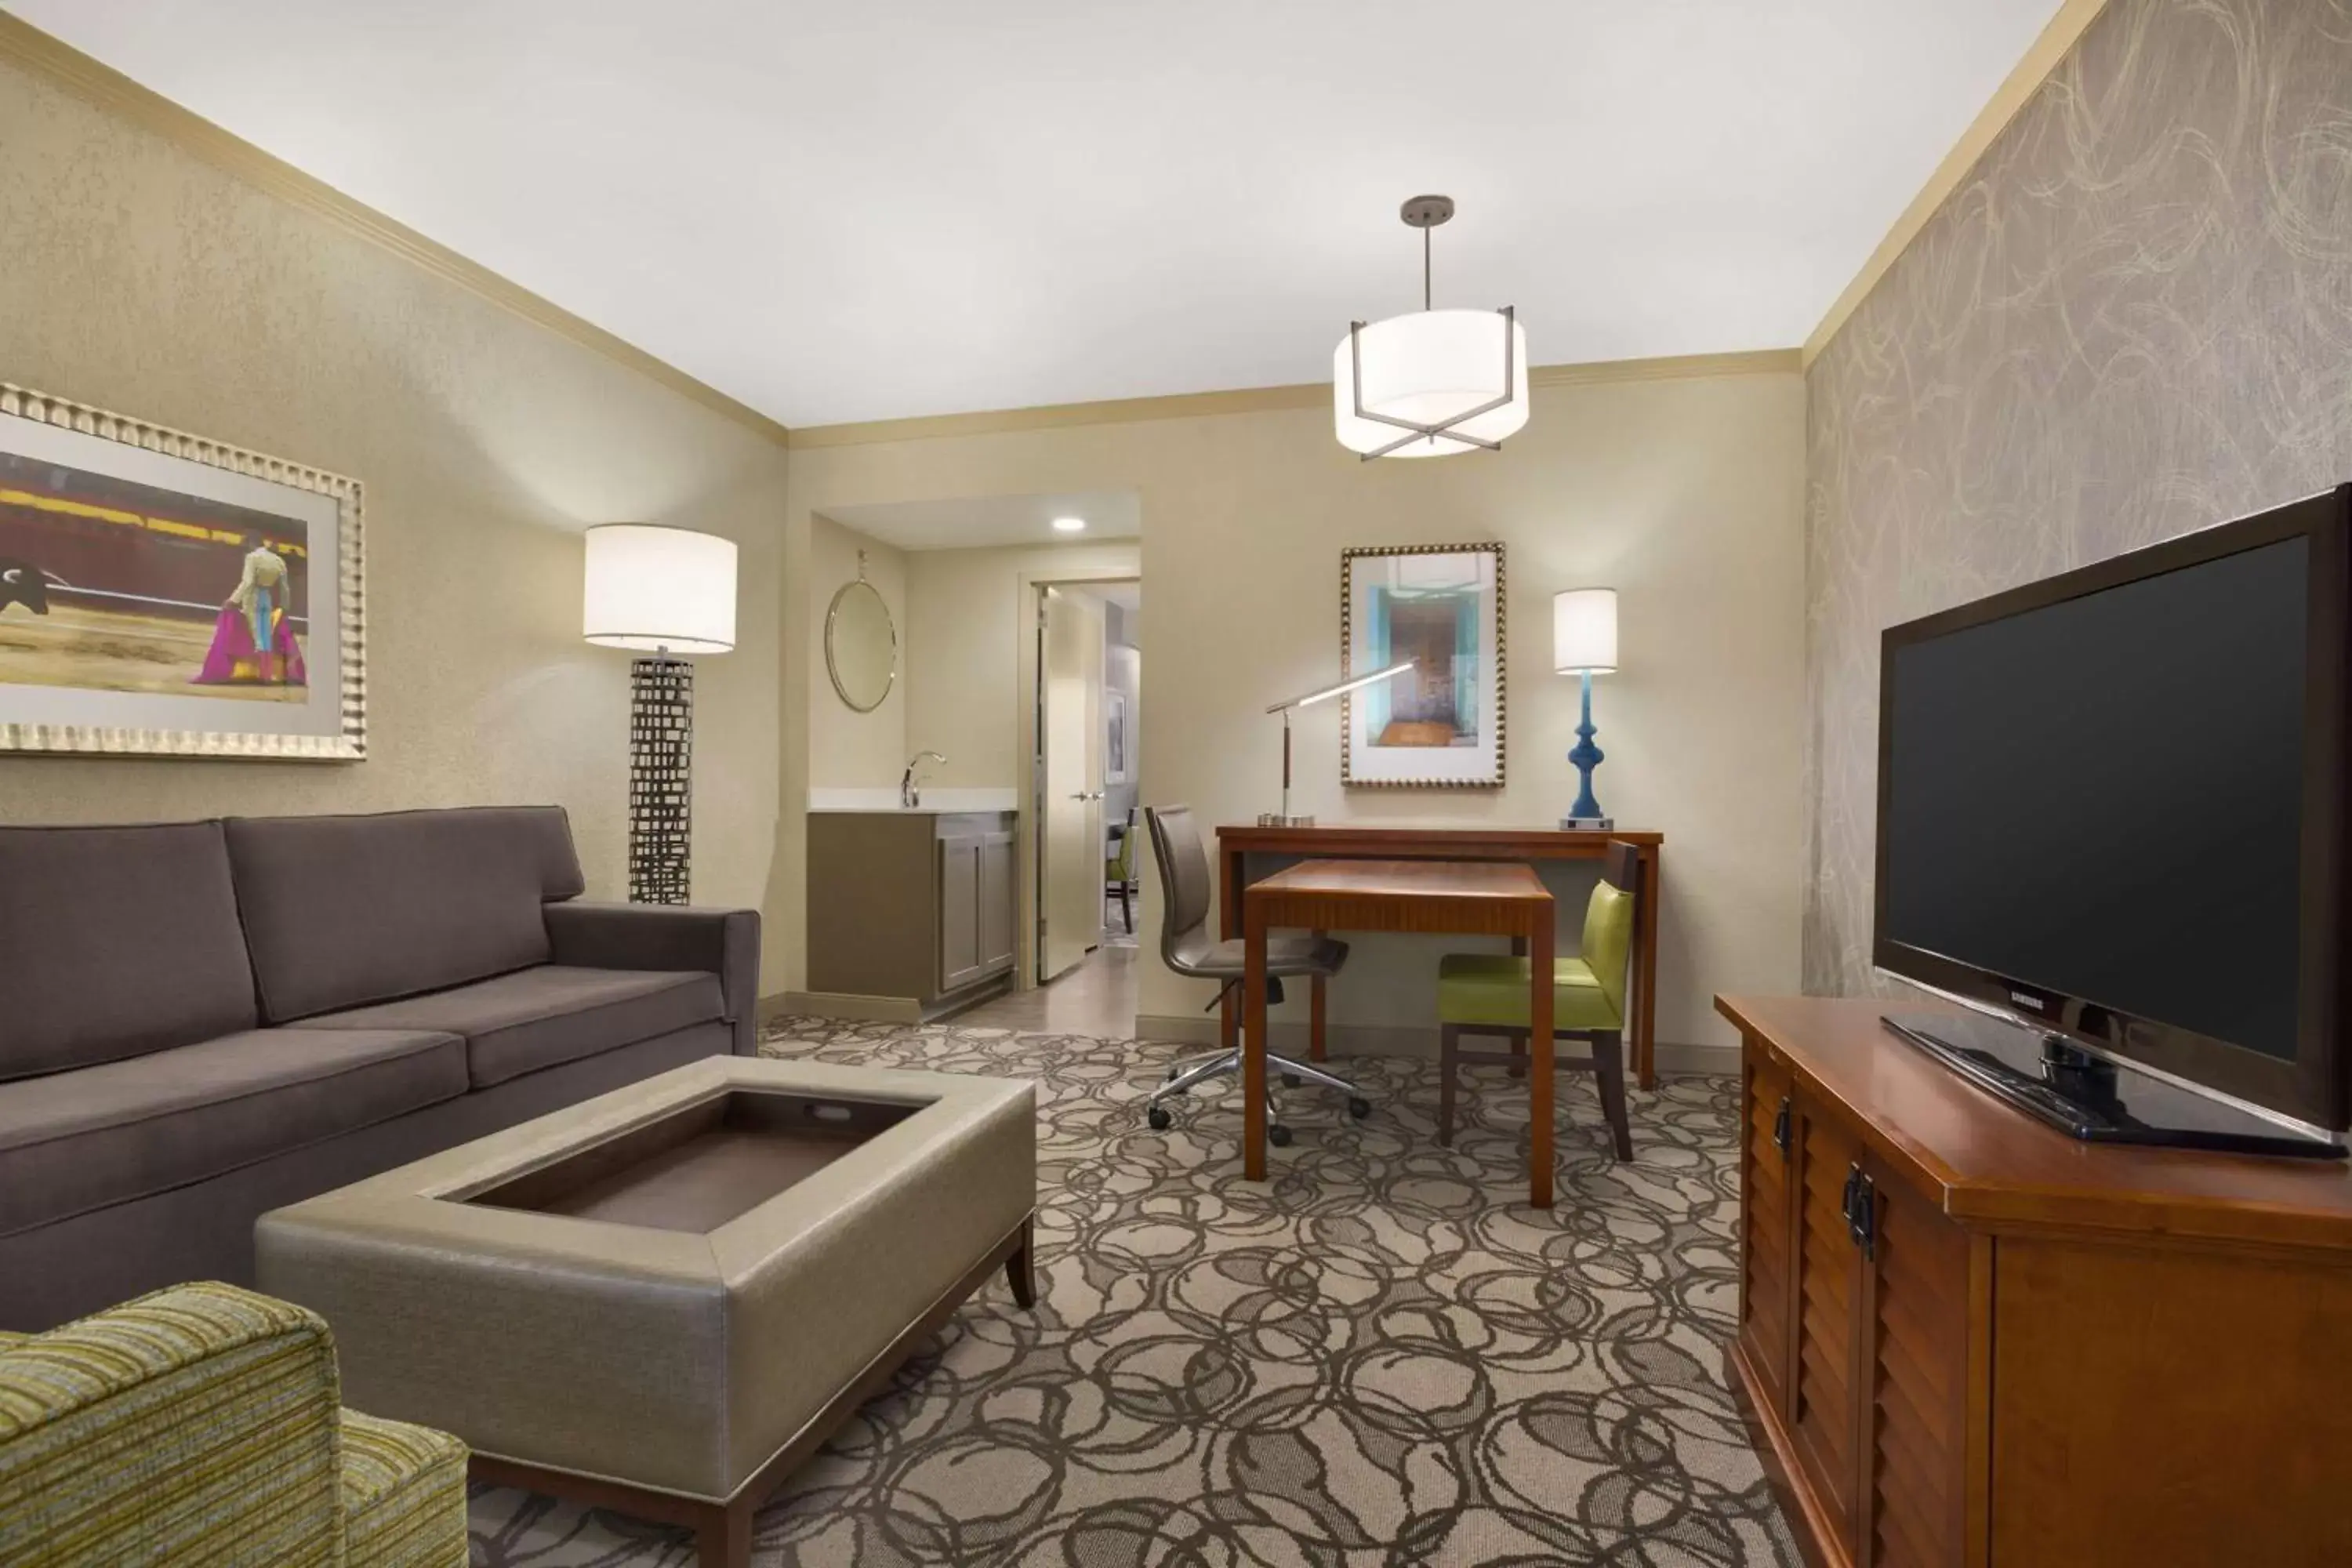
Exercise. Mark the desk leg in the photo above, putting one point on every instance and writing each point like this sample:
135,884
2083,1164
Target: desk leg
1254,1050
1645,948
1229,921
1541,1075
1518,1045
1315,1016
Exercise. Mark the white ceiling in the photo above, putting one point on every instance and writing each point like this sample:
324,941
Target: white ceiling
859,211
977,521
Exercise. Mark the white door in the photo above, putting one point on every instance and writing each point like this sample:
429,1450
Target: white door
1070,734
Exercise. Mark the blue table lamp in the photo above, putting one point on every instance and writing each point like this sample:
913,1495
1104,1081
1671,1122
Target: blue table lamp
1584,642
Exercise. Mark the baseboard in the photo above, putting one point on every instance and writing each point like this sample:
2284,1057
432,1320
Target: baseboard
1394,1040
841,1004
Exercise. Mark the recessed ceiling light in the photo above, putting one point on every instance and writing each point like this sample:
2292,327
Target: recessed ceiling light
1069,525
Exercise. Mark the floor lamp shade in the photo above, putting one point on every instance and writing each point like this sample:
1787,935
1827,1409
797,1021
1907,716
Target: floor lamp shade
659,589
660,592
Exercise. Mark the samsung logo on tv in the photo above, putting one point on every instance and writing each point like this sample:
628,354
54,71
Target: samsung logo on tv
2023,1000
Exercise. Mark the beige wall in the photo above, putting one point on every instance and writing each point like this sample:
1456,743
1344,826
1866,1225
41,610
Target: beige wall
2131,320
137,278
1686,495
847,749
965,624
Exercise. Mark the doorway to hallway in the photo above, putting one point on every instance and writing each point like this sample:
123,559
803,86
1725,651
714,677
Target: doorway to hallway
1088,847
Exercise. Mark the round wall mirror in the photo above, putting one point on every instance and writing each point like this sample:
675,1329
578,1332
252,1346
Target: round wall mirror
861,645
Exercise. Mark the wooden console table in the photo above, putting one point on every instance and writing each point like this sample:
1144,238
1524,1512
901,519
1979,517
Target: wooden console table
1476,897
1236,844
1967,1340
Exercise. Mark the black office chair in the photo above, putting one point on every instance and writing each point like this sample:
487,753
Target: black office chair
1189,949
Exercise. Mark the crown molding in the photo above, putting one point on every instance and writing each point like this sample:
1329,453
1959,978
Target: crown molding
1669,368
2073,17
1259,400
53,60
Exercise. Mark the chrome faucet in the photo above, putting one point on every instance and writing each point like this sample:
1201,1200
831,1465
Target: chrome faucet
911,794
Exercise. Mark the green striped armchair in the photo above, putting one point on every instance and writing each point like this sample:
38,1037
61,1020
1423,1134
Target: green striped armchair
204,1424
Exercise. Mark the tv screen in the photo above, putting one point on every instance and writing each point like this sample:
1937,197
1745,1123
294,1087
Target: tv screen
2108,802
2046,778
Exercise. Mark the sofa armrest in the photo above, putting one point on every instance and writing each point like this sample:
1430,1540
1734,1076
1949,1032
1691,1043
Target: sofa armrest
590,934
197,1422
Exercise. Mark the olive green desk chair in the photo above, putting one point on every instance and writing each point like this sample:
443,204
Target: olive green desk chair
1118,872
1486,993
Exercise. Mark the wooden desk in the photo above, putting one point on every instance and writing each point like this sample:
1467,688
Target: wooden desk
1478,898
1236,844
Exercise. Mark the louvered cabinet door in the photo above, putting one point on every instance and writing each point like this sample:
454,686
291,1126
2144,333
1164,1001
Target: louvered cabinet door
1766,1264
1825,1377
1916,1356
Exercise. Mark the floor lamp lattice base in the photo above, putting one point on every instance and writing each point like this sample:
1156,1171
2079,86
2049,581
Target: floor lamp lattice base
661,780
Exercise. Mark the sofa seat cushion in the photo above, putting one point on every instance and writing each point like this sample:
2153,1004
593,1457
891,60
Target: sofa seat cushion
74,1141
517,1024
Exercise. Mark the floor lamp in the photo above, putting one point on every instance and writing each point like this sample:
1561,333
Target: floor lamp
662,592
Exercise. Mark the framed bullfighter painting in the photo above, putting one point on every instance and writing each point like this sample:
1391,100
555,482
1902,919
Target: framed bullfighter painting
161,595
1439,725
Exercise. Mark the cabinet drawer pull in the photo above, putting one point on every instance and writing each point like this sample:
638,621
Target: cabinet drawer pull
1862,1212
1780,1126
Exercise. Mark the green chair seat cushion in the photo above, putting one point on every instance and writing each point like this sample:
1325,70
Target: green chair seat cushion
403,1490
1492,989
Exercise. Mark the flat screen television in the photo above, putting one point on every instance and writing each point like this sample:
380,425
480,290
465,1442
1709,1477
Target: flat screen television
2111,807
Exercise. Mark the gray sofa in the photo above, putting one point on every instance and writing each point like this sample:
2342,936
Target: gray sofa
203,1021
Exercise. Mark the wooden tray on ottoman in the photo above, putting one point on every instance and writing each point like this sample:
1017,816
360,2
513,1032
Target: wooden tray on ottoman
662,1300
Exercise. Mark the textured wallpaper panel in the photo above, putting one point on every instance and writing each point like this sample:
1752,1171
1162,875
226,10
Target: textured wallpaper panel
2135,319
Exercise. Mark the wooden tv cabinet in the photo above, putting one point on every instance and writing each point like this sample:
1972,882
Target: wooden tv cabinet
2012,1349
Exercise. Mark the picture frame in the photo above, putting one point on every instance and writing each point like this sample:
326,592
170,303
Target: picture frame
162,595
1118,762
1443,724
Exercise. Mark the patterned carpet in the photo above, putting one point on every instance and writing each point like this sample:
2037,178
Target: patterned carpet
1380,1357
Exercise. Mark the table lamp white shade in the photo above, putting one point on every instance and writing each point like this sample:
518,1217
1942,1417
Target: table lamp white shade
653,588
1584,631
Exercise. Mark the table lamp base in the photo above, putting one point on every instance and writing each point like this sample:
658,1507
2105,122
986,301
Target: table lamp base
1276,819
1575,823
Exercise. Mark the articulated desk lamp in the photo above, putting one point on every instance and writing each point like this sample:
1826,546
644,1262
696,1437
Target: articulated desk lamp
1284,819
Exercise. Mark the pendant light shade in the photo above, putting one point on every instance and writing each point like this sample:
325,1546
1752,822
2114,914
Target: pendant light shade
1429,369
1433,383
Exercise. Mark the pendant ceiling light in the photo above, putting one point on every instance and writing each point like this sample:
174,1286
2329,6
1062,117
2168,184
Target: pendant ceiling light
1433,383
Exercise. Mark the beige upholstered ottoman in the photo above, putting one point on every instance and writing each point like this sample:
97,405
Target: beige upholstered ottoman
663,1299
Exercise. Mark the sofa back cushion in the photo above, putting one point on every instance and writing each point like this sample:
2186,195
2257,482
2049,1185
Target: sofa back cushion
343,910
116,942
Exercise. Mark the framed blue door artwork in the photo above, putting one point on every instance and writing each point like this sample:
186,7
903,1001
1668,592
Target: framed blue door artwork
164,594
1439,725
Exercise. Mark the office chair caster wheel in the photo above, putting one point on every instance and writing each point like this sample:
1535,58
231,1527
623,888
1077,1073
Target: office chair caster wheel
1278,1136
1360,1108
1290,1080
1159,1118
